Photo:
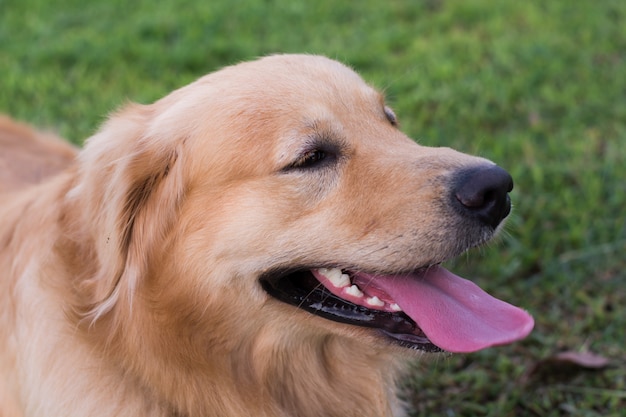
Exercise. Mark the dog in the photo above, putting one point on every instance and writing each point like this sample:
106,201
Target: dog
262,242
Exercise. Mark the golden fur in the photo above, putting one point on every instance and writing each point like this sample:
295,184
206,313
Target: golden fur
130,280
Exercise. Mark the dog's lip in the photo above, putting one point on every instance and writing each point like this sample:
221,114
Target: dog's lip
448,311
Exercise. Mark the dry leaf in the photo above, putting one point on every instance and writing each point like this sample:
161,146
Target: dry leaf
585,360
565,365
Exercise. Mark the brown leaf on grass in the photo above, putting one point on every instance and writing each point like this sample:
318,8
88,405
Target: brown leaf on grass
585,360
565,366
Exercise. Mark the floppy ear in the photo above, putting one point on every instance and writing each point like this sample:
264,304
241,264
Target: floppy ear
130,188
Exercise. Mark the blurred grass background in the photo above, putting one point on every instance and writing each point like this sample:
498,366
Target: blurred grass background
537,86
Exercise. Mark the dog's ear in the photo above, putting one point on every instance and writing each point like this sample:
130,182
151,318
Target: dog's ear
130,188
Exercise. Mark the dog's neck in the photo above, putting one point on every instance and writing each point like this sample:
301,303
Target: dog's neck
270,374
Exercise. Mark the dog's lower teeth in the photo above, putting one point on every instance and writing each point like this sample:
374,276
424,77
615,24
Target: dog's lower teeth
375,301
340,280
354,291
335,276
344,281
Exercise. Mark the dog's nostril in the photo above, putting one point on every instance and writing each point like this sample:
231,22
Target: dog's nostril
483,193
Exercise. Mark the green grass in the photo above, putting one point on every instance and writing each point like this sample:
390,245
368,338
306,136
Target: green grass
538,86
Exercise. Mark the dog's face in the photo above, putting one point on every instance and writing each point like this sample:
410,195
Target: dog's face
281,195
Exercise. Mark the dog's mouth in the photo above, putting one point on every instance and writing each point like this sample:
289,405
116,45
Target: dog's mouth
430,309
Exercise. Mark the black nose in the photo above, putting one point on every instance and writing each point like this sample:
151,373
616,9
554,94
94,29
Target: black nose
483,193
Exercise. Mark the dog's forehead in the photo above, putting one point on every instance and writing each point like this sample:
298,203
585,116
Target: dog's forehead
297,79
312,92
275,85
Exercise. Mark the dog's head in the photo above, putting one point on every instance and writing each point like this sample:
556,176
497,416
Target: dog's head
282,193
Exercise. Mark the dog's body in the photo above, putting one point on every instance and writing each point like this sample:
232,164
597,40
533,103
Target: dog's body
137,281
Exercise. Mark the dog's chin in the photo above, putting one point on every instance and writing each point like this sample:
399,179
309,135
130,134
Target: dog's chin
302,289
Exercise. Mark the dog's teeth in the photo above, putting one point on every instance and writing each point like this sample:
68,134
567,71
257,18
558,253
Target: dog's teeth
375,301
327,272
344,281
354,291
335,276
395,307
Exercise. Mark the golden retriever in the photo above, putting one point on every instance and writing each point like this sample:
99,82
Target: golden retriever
262,242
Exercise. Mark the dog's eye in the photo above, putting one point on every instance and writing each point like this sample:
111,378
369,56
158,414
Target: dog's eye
310,159
391,116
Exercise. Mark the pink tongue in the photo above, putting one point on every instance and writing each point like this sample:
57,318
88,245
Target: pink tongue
455,313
